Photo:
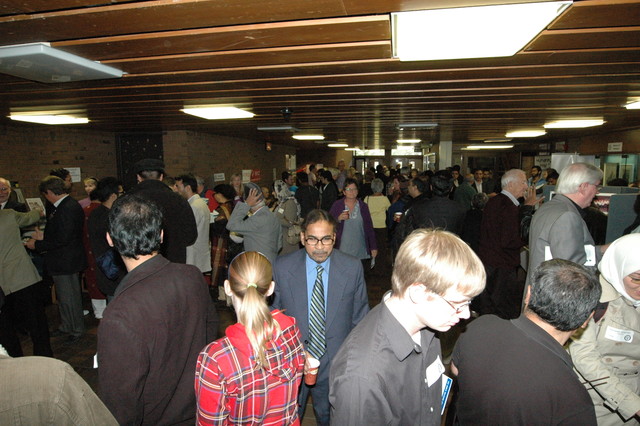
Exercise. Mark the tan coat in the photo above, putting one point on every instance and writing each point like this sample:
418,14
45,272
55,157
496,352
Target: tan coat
602,353
16,269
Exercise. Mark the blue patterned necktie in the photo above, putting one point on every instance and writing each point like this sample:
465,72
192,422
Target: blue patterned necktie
317,344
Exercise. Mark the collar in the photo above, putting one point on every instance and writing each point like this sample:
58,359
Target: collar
57,203
399,340
193,197
541,337
511,197
3,204
581,211
149,267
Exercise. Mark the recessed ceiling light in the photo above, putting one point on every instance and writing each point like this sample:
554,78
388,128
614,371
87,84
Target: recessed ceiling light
476,147
573,124
285,128
533,133
470,32
308,137
408,140
337,145
633,105
416,125
217,112
49,119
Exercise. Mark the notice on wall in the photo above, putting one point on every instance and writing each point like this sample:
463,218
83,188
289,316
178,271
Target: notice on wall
76,176
218,177
255,175
614,147
246,176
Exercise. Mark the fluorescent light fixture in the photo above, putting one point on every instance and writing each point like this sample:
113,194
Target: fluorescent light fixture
497,140
43,63
533,133
351,149
217,112
308,137
408,140
573,124
477,147
285,128
633,105
49,119
337,145
416,125
470,32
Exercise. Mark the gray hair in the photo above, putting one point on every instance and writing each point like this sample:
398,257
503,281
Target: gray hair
511,176
575,175
479,200
377,185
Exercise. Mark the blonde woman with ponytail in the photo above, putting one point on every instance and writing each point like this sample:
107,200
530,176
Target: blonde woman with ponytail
252,375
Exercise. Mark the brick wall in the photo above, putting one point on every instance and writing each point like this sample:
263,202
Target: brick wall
29,152
205,154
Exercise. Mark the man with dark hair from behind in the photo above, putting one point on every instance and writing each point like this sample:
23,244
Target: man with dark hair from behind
517,371
65,175
152,331
179,223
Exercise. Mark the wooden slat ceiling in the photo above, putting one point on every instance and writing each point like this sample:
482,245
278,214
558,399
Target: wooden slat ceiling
330,61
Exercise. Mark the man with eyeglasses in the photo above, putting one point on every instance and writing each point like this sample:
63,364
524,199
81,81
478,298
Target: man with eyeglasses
558,229
325,291
516,372
389,371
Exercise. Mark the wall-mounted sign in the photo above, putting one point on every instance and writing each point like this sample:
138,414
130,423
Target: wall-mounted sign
255,175
614,147
218,177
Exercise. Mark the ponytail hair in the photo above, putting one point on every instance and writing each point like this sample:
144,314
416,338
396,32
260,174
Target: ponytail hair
250,276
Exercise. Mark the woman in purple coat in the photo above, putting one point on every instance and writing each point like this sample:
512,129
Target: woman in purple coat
354,234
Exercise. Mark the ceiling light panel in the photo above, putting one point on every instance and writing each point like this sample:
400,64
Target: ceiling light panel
470,32
308,137
51,119
41,62
574,124
533,133
217,112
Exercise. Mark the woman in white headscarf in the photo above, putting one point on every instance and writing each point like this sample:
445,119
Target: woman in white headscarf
288,212
607,355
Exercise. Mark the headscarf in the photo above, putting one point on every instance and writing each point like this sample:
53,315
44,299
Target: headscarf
284,194
621,259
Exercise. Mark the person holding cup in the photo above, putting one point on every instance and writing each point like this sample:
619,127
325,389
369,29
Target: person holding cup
256,370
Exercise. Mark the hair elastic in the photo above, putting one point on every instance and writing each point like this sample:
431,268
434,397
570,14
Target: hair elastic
252,285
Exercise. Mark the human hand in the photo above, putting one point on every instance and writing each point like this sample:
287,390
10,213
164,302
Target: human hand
253,198
30,244
374,253
38,235
530,197
344,215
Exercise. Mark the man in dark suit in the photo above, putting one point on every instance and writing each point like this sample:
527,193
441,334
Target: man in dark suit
64,256
179,223
5,201
159,320
500,244
344,300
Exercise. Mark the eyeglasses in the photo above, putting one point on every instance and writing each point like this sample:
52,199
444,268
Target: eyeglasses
325,241
351,189
459,309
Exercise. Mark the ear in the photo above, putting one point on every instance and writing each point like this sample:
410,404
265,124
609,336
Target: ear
227,288
586,323
272,287
527,295
302,237
109,240
161,236
139,178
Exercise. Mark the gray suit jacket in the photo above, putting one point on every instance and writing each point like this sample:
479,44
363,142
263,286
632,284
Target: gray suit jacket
262,231
347,302
559,225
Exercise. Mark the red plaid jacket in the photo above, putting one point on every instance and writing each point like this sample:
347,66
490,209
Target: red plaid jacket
231,389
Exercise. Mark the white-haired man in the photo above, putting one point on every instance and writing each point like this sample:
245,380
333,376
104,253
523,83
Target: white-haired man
558,229
500,244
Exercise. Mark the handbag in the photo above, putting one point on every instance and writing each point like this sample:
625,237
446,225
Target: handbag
293,234
110,264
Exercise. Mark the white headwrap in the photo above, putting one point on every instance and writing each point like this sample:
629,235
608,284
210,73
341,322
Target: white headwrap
621,259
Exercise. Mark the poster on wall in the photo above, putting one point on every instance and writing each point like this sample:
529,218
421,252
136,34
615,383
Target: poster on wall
218,177
246,176
544,161
255,175
75,173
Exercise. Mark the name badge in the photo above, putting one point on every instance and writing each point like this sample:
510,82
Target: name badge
618,335
281,210
434,371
